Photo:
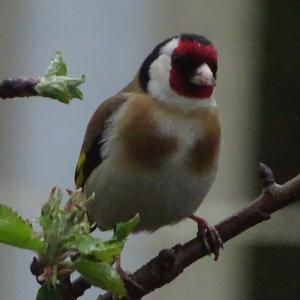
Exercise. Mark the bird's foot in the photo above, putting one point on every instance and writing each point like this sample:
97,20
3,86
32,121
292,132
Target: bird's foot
209,235
127,278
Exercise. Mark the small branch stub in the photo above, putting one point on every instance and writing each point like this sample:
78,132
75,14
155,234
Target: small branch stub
54,84
266,175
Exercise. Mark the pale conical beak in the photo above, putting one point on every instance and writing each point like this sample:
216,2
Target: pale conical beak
204,76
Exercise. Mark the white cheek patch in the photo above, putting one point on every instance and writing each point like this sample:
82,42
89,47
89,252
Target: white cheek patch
158,85
159,71
170,47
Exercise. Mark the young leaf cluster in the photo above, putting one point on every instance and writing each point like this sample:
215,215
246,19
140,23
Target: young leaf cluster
56,84
65,244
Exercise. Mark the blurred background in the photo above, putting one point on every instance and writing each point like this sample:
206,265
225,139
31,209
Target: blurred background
257,94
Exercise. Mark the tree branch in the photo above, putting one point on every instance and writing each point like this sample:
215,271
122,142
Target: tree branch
171,262
18,87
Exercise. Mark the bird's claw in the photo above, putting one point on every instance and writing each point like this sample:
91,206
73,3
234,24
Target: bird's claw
210,237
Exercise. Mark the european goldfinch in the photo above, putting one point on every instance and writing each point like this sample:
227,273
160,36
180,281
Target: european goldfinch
153,147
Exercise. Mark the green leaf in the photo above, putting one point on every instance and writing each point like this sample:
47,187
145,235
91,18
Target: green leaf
57,66
102,275
57,85
111,251
61,88
48,292
17,232
98,250
125,228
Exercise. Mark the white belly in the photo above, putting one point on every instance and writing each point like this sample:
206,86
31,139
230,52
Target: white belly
162,197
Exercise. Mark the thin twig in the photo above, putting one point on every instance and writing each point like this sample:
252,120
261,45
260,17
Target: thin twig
18,87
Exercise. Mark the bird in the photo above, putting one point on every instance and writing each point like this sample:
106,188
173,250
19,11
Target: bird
153,147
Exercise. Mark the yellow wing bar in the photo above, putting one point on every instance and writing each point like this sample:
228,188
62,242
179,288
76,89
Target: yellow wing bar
79,177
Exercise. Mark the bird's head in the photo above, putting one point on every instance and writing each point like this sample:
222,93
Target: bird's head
181,70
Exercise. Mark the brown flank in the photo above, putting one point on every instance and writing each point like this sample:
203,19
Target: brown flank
204,154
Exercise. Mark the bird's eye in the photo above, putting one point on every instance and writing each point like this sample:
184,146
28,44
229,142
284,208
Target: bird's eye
183,63
180,60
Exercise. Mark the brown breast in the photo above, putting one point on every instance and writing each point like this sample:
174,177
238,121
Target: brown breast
143,145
